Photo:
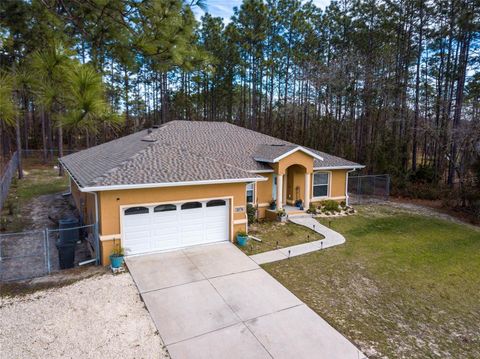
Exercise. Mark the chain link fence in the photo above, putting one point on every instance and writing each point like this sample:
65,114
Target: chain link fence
368,189
37,253
7,176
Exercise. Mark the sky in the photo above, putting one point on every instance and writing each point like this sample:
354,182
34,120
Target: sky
224,8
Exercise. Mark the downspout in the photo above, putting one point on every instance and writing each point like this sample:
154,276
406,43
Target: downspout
346,188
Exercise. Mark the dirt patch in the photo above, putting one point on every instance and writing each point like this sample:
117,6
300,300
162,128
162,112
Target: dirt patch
432,209
97,317
25,253
439,206
46,210
275,235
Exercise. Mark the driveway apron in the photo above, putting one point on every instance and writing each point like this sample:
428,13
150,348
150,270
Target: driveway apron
213,301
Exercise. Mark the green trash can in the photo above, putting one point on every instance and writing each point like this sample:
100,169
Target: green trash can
66,254
68,230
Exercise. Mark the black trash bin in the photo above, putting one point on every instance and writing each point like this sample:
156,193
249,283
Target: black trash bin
66,254
68,235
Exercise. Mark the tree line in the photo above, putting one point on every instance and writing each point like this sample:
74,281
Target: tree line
394,85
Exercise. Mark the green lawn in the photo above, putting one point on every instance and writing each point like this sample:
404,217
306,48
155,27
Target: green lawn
403,285
38,180
276,235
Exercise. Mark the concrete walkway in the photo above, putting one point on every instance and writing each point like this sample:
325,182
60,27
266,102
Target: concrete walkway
213,302
331,239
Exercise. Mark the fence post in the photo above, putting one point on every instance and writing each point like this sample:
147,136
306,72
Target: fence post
388,186
47,250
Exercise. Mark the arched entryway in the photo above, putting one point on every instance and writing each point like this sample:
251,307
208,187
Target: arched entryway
295,186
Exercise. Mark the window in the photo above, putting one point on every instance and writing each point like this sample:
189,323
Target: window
136,210
320,184
250,192
216,203
191,205
165,208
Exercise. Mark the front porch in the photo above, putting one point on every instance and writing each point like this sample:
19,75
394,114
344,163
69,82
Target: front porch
292,185
293,210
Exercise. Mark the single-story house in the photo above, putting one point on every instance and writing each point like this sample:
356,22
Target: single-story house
187,183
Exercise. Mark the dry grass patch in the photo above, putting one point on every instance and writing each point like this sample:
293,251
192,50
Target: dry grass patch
275,235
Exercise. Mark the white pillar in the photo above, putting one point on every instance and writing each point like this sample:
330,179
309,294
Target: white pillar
279,191
306,201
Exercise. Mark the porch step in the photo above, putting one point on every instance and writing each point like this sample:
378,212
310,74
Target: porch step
298,214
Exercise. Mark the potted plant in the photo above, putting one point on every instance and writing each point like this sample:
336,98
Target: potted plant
242,238
282,215
116,258
273,205
299,203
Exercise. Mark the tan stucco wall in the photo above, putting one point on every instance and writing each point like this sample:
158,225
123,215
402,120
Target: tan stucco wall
296,158
111,201
339,178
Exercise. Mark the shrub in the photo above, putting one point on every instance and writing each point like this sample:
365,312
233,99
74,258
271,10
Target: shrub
343,204
330,205
251,213
312,208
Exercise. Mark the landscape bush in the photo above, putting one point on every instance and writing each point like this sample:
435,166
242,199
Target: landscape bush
330,205
251,213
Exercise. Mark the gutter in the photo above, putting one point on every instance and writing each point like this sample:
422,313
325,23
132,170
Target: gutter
355,167
169,184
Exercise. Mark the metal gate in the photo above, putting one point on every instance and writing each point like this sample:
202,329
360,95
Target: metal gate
32,254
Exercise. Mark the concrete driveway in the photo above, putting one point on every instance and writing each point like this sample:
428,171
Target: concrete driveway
213,301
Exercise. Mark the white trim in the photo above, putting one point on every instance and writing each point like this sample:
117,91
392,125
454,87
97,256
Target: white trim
339,168
261,171
286,154
262,205
240,221
110,237
168,184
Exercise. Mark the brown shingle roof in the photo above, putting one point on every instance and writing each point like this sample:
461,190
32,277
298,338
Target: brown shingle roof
182,151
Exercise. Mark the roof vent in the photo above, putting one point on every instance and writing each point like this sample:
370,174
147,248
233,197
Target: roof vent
156,126
149,131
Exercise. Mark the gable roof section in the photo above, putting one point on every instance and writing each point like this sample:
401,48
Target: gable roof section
276,152
185,152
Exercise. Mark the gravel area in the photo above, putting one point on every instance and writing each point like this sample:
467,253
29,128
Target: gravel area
98,317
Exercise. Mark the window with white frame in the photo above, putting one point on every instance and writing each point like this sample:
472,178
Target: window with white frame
320,184
251,192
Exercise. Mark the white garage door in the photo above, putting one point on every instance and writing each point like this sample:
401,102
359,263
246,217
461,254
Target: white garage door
167,226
